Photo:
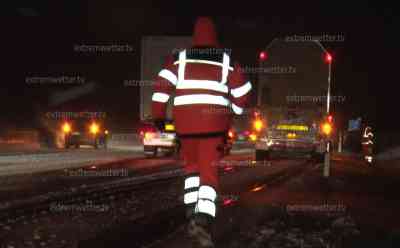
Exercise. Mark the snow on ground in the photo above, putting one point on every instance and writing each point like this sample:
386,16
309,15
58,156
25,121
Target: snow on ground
39,162
300,231
393,153
47,160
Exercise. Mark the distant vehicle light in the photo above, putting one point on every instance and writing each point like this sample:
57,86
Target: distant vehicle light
231,134
258,125
94,128
66,128
258,188
253,137
327,128
149,135
227,202
106,132
169,127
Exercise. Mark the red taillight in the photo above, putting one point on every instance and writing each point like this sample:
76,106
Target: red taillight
227,202
143,131
231,134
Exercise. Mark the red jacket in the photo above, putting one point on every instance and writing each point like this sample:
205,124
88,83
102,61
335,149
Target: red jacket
208,87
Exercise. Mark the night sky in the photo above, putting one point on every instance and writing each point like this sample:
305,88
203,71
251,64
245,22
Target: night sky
40,38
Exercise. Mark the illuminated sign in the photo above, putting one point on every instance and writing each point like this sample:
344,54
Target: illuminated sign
292,127
169,127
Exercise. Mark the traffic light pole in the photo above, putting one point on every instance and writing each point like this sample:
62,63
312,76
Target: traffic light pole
327,159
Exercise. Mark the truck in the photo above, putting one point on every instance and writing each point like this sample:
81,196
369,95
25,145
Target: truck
291,100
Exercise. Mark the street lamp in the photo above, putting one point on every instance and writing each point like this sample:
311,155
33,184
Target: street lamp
328,59
262,57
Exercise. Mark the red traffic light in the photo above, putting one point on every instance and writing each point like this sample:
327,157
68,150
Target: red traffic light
330,118
263,55
328,58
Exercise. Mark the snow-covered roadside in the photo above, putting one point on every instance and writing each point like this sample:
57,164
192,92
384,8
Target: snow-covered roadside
314,231
33,163
393,153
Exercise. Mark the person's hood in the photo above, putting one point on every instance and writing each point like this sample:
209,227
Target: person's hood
204,34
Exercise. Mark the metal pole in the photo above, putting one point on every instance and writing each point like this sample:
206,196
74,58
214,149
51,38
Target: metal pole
259,87
340,142
327,154
328,102
327,161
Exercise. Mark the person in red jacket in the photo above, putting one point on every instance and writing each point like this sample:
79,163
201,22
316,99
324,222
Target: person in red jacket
208,89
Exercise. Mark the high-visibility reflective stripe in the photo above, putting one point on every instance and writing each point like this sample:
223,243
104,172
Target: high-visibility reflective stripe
207,192
369,142
202,84
205,206
368,135
201,99
225,68
160,97
200,61
190,197
181,68
169,75
236,109
192,182
242,90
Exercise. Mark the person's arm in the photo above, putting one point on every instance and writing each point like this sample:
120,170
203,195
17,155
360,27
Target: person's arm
163,88
240,89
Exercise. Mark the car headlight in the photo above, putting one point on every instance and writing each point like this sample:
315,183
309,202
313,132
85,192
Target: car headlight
94,128
66,128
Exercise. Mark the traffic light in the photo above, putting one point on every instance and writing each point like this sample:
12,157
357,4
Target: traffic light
263,56
328,58
330,119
